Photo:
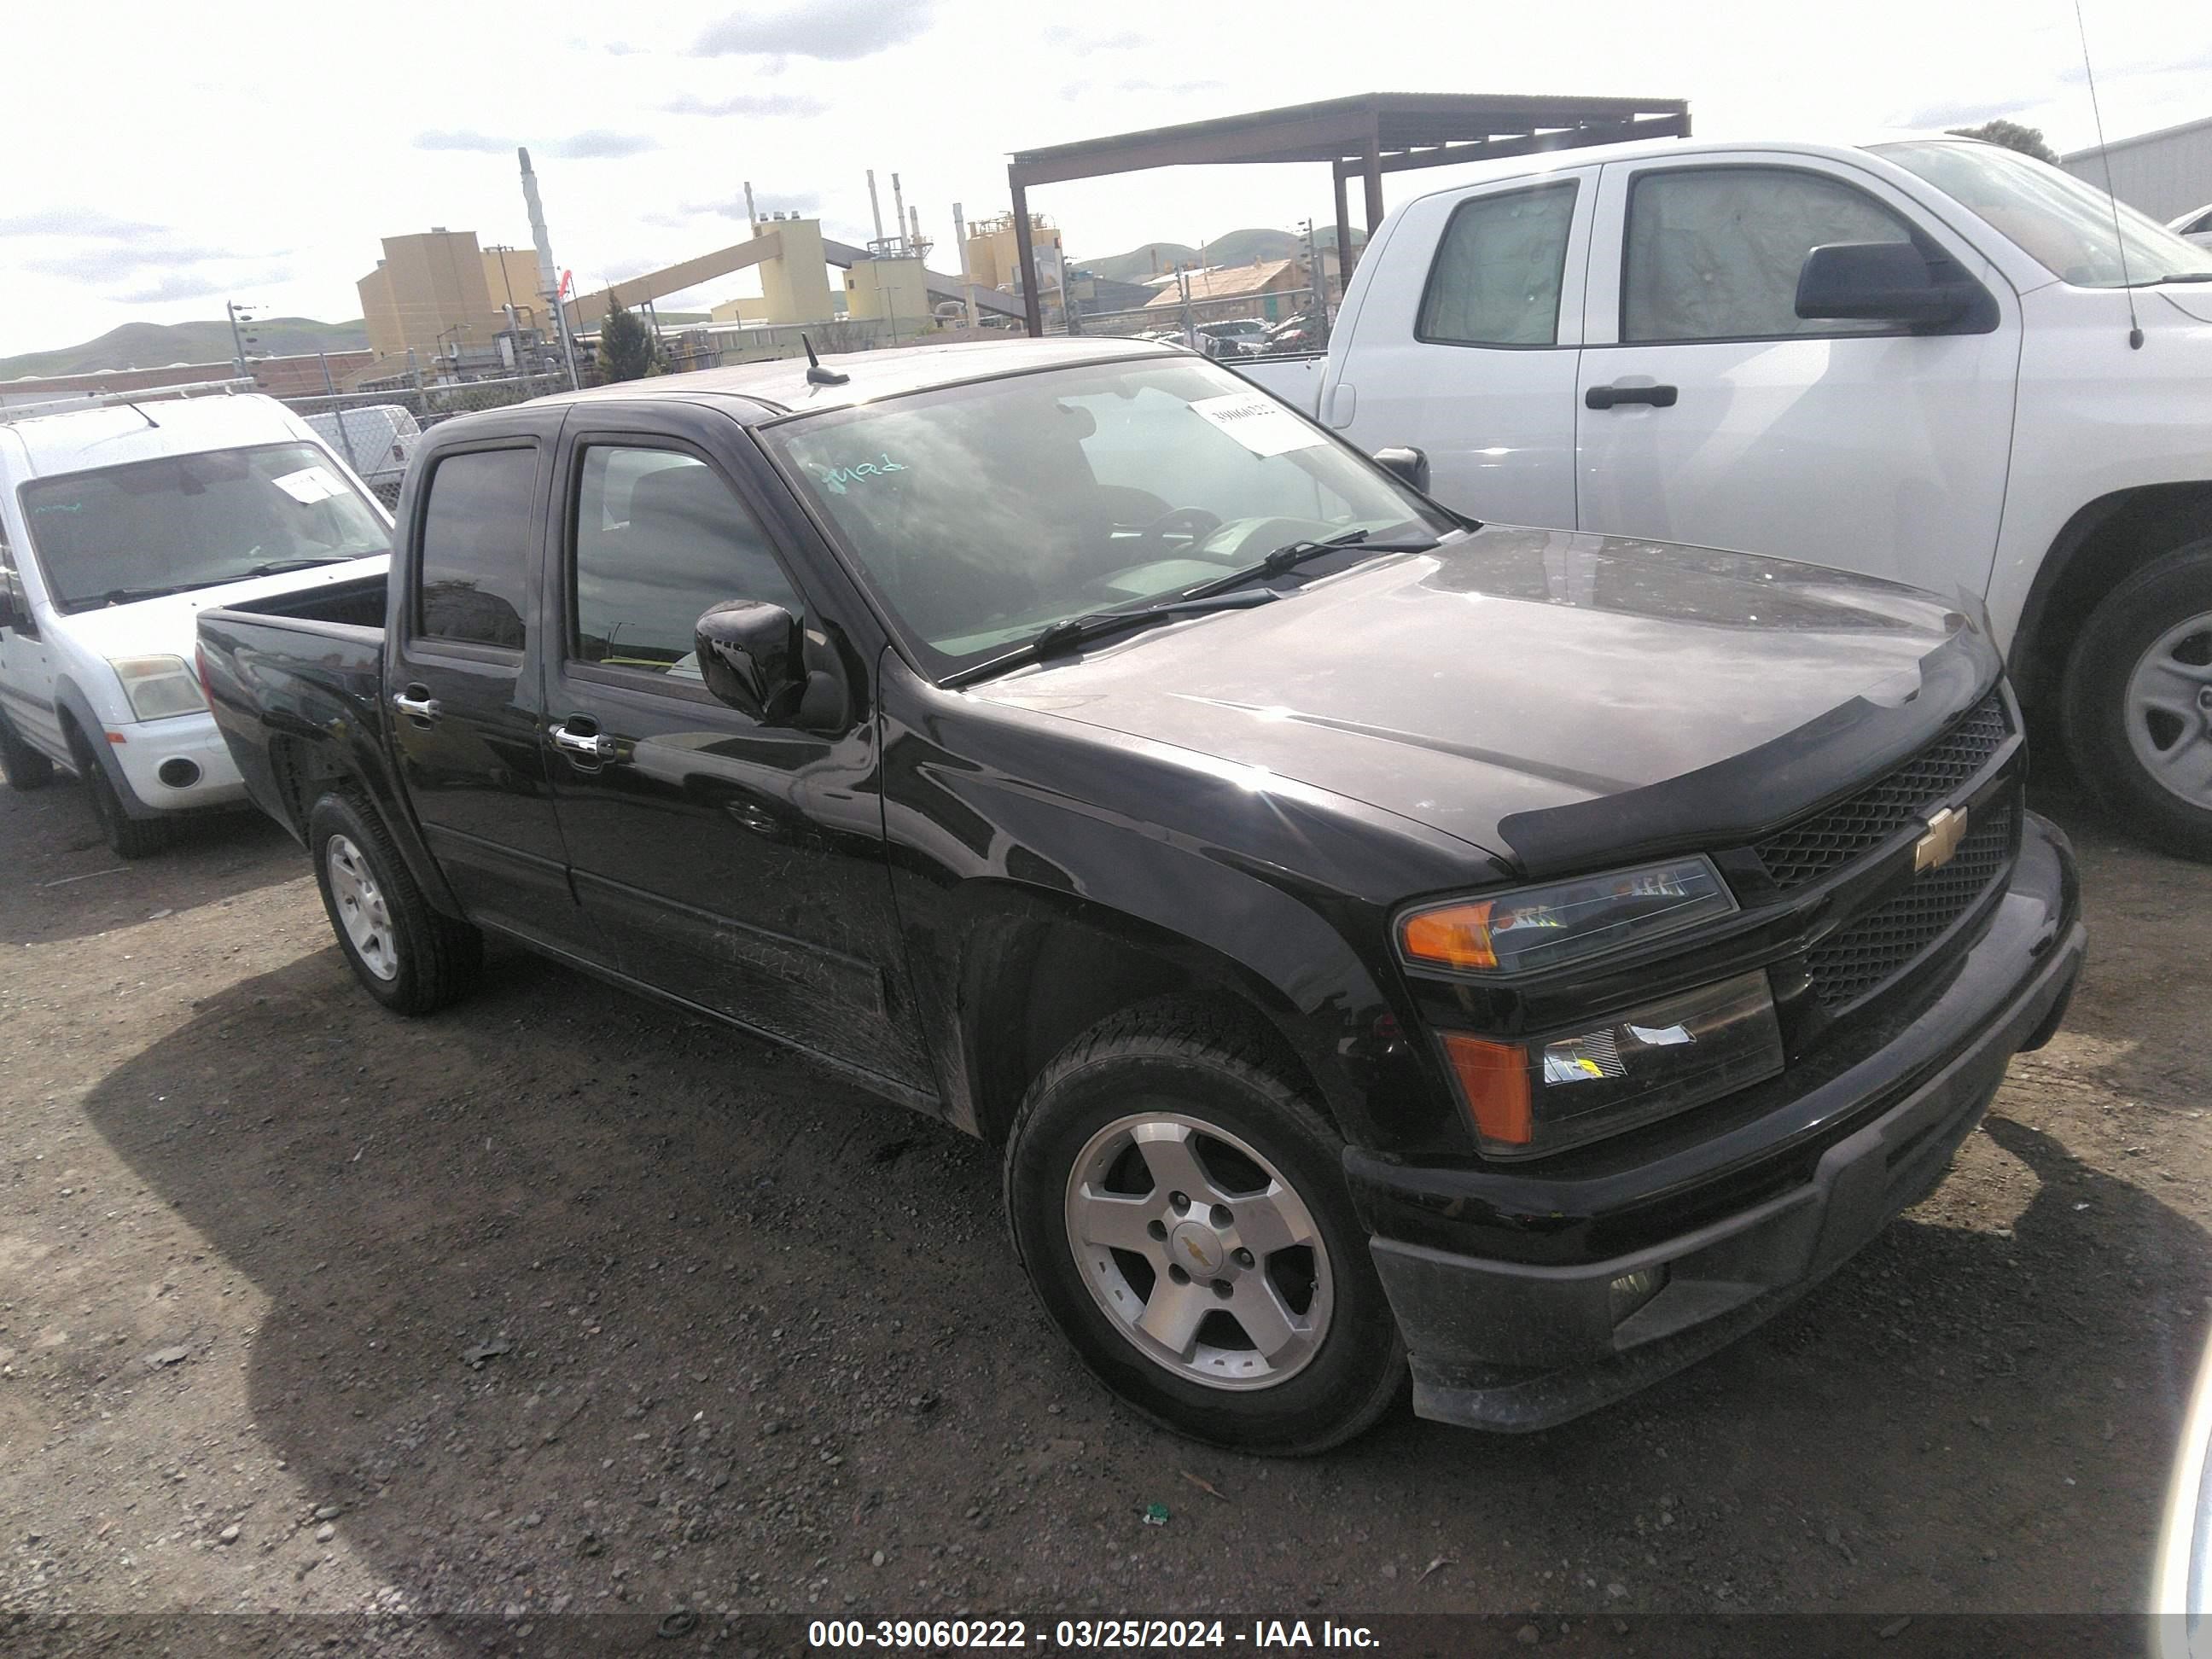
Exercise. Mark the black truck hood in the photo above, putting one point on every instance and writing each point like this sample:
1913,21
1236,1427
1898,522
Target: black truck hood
1552,698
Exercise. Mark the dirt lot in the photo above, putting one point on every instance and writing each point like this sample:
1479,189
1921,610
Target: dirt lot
559,1301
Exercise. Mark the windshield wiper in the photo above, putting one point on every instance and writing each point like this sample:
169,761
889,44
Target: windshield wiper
132,595
1291,555
278,566
1070,632
2174,276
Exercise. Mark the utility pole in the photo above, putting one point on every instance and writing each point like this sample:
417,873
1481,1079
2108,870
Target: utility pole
345,434
238,339
1320,284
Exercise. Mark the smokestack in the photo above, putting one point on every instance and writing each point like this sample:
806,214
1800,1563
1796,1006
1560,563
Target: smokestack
914,229
875,207
898,206
752,217
547,280
966,282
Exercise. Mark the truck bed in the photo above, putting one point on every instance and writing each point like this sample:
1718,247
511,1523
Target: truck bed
296,684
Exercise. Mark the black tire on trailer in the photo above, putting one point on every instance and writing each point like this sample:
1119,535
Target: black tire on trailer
1180,1209
410,958
2138,701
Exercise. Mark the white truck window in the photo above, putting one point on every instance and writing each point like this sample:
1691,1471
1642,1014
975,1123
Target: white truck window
1498,267
1713,253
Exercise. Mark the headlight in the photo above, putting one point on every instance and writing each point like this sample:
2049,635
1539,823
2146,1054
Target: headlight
1537,1097
1568,921
159,687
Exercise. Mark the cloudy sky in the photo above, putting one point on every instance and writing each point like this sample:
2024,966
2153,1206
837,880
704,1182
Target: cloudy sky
169,157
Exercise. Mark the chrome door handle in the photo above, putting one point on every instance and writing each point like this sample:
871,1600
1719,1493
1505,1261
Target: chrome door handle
580,746
419,708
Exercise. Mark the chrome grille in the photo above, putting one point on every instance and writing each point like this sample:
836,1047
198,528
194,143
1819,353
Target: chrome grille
1814,847
1860,958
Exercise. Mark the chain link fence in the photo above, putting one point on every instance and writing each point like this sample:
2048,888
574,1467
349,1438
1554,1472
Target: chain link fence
376,428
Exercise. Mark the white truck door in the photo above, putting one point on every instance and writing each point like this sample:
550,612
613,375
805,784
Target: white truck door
26,674
1464,345
1710,413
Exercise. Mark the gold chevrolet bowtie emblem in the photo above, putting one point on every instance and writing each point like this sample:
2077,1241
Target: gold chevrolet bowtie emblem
1945,831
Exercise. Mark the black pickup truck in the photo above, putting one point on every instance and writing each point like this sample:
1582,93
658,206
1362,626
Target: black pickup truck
1376,941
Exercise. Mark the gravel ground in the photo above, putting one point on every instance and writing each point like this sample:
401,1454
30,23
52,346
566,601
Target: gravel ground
560,1302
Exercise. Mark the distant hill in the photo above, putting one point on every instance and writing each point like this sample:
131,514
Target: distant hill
156,345
1237,247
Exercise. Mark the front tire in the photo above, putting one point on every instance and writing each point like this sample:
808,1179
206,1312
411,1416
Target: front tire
128,837
410,957
1182,1212
2138,701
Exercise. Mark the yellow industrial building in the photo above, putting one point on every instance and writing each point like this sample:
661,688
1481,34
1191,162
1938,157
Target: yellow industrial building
437,292
996,261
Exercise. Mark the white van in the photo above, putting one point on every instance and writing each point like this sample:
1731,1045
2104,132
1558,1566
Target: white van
120,521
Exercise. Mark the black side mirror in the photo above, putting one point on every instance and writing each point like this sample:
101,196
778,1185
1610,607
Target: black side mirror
1877,282
1408,465
752,657
15,606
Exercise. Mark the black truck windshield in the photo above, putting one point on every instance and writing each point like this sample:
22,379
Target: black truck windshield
984,513
136,531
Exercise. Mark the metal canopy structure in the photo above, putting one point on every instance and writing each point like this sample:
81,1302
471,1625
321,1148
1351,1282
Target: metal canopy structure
1362,137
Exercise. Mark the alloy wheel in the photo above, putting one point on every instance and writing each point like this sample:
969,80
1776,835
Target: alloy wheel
1199,1251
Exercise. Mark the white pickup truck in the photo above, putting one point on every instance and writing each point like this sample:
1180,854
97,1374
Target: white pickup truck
1930,358
120,522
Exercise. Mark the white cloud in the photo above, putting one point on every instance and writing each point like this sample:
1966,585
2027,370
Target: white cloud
641,153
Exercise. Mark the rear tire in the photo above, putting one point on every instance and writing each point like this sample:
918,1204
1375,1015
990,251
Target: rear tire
1165,1134
25,767
2138,701
410,957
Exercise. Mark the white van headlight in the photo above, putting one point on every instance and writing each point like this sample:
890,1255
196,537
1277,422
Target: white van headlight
159,687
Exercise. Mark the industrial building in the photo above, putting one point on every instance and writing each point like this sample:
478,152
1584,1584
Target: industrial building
2163,173
438,294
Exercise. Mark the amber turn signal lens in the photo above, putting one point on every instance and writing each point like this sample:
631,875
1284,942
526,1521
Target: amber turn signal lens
1457,936
1493,1079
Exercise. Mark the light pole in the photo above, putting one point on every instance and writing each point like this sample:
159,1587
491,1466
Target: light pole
239,338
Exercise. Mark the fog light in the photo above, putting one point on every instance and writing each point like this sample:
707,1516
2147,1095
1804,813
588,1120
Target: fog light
178,773
1632,1290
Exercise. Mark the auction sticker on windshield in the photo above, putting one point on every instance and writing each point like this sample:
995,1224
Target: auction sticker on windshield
1258,422
309,484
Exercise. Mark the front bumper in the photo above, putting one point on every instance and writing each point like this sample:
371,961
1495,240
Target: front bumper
191,741
1519,1345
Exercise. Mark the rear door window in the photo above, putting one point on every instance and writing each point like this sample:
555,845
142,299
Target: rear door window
476,548
1499,268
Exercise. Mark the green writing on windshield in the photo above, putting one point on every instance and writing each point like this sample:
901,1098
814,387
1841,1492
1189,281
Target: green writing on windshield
836,478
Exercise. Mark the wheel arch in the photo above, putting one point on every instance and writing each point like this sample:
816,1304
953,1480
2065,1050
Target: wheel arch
2105,542
1036,970
84,735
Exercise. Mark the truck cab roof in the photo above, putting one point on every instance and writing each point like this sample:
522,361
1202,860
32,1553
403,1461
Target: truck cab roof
761,392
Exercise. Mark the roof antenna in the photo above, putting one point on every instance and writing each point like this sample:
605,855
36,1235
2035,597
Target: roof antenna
2119,240
141,415
817,375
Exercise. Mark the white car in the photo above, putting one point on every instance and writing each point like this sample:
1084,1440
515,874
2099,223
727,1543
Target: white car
1930,358
2195,225
119,524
